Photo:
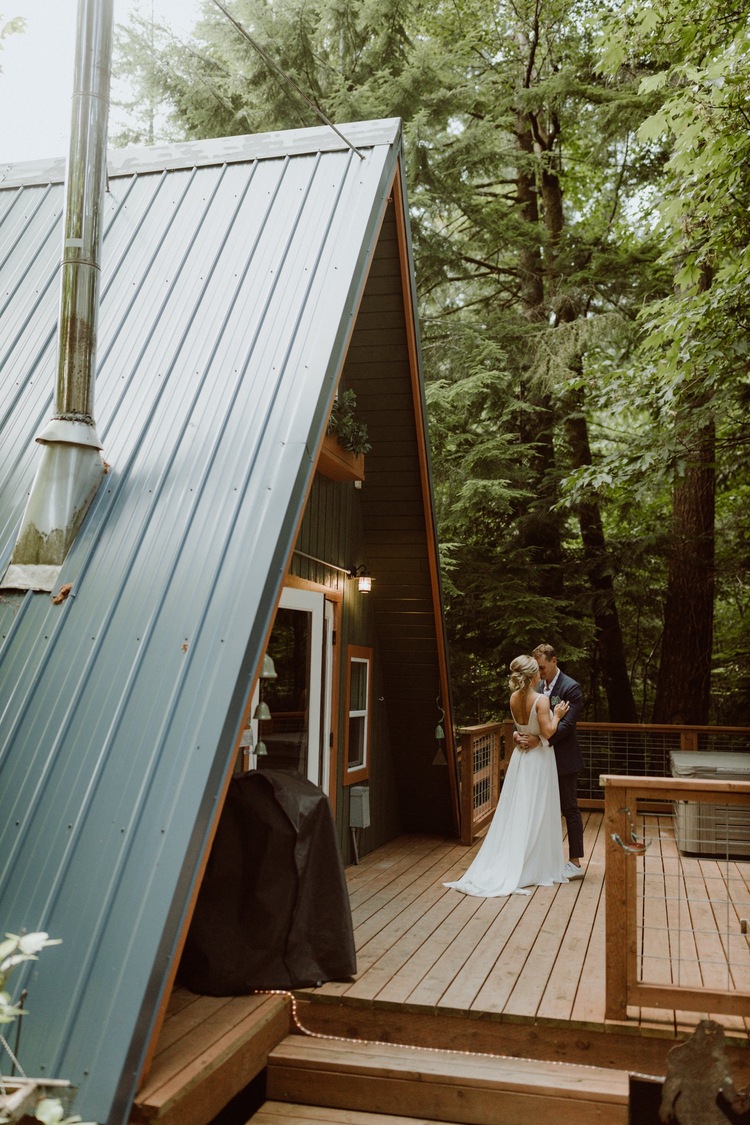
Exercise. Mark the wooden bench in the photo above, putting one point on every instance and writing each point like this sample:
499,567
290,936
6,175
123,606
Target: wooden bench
443,1086
209,1049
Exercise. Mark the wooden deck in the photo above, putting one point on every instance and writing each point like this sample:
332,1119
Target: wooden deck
521,975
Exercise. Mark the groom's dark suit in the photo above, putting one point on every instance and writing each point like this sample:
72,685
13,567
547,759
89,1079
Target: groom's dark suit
565,738
568,757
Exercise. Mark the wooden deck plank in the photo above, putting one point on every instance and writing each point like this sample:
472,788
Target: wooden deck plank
451,1067
496,959
403,960
450,949
411,907
292,1113
189,1012
681,938
391,877
462,989
494,993
654,956
395,893
366,879
588,1003
533,979
564,983
718,893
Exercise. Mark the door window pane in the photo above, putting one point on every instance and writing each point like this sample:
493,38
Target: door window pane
285,733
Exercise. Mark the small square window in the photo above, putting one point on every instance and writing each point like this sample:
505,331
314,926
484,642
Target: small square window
358,705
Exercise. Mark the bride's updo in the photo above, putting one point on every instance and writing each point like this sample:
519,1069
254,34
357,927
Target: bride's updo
523,671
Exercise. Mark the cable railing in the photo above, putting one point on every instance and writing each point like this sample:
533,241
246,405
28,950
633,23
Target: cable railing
677,886
621,749
643,750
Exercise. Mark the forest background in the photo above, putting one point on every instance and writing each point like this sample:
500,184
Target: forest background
579,187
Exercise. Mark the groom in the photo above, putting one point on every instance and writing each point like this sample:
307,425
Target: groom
564,741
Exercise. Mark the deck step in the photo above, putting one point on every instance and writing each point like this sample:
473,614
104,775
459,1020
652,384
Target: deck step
443,1086
291,1113
210,1049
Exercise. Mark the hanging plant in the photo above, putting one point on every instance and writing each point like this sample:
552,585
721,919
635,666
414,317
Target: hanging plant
349,433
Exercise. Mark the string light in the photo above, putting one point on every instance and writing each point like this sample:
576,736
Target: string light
442,1050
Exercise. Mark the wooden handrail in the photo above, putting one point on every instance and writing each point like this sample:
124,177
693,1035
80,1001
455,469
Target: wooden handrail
667,728
621,796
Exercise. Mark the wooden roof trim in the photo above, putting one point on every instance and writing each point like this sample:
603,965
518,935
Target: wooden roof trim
424,472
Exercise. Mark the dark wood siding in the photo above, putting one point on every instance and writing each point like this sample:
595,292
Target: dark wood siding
396,538
332,531
383,526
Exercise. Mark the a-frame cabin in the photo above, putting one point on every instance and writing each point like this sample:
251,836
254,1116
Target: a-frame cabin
244,283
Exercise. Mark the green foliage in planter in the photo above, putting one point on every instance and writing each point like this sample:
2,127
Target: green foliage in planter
349,433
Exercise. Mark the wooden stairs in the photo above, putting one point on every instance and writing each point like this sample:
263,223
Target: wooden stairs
363,1083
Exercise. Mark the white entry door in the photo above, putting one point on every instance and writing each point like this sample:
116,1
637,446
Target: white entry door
297,734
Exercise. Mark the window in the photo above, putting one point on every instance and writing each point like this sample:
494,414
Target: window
358,714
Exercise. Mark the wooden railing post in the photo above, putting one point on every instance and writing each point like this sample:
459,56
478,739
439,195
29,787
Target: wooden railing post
467,788
688,740
616,904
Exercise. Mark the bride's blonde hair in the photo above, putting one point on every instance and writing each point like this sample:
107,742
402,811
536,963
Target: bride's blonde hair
523,670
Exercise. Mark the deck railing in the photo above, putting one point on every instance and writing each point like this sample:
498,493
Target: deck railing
484,751
622,749
677,890
643,749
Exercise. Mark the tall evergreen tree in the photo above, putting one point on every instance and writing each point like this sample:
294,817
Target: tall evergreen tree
521,160
698,61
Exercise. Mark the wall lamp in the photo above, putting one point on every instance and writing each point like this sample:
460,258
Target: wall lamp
364,578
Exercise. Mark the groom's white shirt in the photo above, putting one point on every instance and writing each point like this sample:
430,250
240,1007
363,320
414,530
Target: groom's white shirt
547,689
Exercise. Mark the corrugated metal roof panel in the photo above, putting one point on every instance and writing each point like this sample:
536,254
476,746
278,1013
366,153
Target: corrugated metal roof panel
229,287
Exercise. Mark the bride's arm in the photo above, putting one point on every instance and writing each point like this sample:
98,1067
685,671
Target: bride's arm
548,722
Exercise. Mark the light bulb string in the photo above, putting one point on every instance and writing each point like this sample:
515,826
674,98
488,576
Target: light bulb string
442,1050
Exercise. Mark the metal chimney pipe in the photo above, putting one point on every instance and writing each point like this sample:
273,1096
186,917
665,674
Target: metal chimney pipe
86,184
72,468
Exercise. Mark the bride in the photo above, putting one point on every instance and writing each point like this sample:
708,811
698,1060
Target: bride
523,846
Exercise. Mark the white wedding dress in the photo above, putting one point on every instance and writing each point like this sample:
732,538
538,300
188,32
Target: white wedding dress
523,846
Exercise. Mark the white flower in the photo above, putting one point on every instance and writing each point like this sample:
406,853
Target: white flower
8,1010
32,943
50,1112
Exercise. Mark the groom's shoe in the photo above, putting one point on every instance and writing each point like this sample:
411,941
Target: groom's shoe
572,872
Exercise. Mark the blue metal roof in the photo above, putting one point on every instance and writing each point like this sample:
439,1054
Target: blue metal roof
231,274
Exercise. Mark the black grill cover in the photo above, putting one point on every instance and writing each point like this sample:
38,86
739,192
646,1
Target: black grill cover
273,910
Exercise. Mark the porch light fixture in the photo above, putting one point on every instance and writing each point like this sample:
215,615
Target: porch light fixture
364,578
262,711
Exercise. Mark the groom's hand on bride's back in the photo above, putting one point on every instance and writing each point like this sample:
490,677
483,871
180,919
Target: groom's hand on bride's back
525,741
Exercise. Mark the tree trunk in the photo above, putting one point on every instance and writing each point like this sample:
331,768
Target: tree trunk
538,527
609,642
683,685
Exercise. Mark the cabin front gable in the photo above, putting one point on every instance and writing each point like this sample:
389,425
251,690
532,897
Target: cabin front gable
235,274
